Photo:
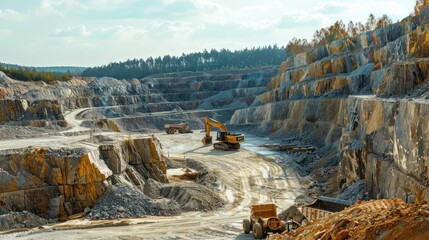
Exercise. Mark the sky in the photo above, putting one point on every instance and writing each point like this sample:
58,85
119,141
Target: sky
95,32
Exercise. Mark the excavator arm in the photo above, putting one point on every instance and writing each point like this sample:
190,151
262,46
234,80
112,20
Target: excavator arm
209,122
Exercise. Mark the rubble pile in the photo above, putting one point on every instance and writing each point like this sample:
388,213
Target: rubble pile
376,219
14,220
125,201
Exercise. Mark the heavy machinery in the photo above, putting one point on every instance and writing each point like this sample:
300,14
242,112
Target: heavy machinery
226,139
263,220
181,128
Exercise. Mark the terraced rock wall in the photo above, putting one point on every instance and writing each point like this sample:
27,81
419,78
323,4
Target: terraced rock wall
368,98
131,103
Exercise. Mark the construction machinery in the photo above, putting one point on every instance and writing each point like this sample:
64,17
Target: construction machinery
181,128
263,220
227,140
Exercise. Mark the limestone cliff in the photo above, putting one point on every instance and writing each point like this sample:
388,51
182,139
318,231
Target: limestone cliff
31,113
366,97
56,183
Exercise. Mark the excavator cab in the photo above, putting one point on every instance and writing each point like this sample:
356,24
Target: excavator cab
221,136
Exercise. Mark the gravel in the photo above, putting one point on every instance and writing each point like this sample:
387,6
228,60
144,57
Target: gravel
15,220
125,201
354,192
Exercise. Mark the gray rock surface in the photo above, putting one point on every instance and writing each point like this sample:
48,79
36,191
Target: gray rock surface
193,196
16,220
152,189
126,201
292,213
354,192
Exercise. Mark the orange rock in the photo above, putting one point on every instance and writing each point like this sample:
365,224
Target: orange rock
342,235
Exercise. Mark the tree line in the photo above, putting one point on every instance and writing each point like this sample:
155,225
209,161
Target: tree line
198,61
26,74
336,31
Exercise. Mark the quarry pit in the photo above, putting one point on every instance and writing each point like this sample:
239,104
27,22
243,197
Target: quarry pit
347,121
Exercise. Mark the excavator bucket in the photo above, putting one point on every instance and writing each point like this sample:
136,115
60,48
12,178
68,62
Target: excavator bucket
207,140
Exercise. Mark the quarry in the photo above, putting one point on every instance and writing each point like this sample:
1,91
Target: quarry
92,157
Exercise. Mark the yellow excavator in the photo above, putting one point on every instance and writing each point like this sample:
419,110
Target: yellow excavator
227,140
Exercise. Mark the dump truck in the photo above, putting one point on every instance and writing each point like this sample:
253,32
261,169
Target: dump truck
323,207
263,220
226,140
181,128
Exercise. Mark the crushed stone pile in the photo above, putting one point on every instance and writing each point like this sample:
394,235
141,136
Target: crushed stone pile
292,213
125,201
206,177
193,197
376,219
16,220
354,192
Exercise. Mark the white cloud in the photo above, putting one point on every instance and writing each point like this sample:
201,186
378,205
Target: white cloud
121,32
182,29
75,31
212,12
58,7
108,4
101,33
254,15
47,4
10,14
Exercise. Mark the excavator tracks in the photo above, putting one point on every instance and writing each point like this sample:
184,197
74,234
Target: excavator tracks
221,146
225,147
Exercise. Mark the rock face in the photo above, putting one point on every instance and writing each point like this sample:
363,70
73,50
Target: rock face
366,97
31,113
393,149
56,183
136,160
42,181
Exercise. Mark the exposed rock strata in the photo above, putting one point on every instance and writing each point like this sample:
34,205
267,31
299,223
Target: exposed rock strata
36,113
391,149
55,183
382,133
160,95
42,181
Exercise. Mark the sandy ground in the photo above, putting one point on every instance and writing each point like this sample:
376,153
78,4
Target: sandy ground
248,176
